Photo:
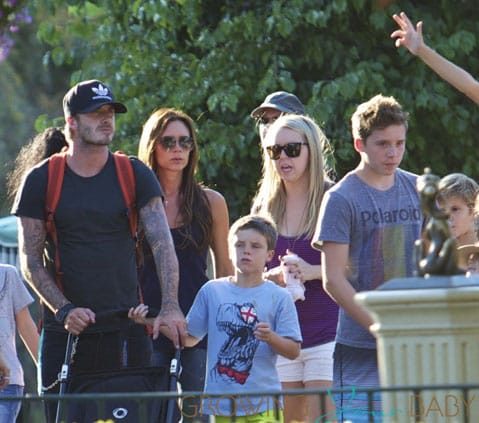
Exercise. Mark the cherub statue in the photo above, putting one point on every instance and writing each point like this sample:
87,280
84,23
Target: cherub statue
436,251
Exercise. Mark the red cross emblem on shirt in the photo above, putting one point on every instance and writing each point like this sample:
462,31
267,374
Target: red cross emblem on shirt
248,313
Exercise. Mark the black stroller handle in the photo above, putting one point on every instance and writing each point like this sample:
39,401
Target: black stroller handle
175,370
119,315
63,375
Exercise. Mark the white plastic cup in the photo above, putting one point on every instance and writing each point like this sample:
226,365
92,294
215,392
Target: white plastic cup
293,284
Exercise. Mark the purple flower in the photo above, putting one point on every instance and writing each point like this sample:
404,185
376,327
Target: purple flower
23,16
6,44
26,17
12,14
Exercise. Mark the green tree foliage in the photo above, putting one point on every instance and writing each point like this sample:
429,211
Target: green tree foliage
217,60
31,85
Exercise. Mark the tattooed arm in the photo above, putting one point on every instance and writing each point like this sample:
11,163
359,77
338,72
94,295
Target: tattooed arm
157,232
31,240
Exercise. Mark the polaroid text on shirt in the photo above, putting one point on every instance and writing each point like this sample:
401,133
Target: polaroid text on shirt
391,216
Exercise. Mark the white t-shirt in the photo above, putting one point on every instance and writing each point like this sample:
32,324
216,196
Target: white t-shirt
14,296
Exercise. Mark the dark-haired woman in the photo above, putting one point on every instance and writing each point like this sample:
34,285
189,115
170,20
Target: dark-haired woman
199,221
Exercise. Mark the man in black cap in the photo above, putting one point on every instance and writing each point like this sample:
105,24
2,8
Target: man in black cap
273,106
95,245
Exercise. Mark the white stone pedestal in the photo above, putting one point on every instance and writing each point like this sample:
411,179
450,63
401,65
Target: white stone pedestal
427,336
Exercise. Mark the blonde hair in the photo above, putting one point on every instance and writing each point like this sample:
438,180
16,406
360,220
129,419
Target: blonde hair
270,199
460,186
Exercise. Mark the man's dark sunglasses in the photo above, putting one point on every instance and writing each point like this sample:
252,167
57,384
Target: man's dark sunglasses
263,120
292,149
168,143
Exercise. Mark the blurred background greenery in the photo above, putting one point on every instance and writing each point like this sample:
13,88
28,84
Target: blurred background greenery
218,59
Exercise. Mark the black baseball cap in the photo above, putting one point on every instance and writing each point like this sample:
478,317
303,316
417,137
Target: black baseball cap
280,100
88,96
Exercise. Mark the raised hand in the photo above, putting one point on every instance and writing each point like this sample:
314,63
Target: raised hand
407,36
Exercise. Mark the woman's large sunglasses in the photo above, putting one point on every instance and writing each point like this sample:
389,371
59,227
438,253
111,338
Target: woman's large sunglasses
168,143
292,149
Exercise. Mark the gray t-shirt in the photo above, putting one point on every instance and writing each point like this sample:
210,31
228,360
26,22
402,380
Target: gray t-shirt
380,228
237,361
14,296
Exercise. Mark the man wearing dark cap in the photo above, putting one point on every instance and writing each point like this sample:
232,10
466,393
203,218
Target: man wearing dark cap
95,246
273,106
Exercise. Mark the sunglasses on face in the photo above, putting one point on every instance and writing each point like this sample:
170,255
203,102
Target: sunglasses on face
168,143
291,149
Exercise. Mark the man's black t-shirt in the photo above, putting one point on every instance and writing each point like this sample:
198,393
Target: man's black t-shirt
97,252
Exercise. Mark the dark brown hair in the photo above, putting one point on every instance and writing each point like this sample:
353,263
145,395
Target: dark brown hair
194,205
377,113
261,224
43,145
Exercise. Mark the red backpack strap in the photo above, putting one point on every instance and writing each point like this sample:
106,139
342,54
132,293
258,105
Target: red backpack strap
56,172
126,177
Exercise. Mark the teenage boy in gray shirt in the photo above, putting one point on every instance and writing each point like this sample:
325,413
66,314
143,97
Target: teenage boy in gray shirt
366,230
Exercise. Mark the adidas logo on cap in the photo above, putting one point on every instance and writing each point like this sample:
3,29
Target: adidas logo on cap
87,96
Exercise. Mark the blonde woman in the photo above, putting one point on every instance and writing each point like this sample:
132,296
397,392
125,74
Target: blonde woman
293,182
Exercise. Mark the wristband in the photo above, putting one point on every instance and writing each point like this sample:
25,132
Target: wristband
62,313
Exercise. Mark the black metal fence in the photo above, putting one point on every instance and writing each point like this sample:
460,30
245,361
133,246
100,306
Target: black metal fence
449,403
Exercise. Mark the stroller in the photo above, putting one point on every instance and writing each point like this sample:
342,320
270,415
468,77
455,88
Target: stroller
123,381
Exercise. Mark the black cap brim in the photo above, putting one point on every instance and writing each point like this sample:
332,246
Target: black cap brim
257,112
119,107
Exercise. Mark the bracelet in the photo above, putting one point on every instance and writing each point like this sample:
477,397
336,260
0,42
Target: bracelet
62,313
